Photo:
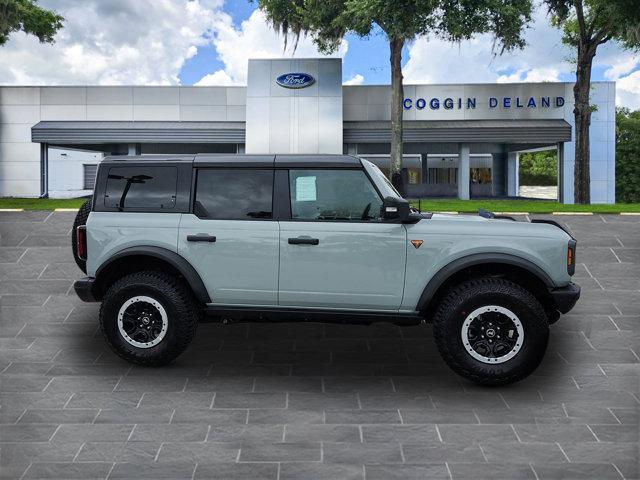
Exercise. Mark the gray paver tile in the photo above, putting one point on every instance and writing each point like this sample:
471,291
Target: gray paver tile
407,472
320,471
27,433
119,452
430,451
522,452
477,433
198,452
364,417
247,433
21,453
323,433
172,470
249,400
92,433
133,415
399,433
58,416
380,375
210,416
84,471
487,471
280,452
168,433
242,471
282,416
576,471
370,453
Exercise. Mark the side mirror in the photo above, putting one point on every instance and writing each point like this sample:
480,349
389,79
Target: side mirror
394,208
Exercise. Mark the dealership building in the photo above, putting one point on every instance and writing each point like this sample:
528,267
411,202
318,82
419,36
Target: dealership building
460,140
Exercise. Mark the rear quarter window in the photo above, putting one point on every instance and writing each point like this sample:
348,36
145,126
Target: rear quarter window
134,188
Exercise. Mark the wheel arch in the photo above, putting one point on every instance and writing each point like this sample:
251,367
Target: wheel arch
517,269
140,258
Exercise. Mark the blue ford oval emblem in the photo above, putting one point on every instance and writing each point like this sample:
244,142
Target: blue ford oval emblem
295,80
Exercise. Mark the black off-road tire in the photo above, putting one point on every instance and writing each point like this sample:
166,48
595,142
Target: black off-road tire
463,299
81,219
181,307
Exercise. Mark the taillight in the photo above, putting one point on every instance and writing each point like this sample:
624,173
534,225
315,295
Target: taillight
571,257
81,242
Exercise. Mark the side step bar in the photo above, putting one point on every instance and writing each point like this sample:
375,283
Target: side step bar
279,314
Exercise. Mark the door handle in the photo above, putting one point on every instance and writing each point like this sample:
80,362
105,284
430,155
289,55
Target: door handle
201,237
303,241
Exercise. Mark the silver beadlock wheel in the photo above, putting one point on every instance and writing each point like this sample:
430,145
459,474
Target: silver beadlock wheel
142,321
492,334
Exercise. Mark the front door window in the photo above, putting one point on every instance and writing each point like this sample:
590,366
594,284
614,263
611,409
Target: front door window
333,195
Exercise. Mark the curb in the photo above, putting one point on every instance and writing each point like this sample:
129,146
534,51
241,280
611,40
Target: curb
65,210
571,213
536,213
11,209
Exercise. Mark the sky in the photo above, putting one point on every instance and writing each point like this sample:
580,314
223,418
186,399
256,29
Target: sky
208,42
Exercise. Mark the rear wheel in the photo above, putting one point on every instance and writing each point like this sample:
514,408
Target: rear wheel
81,219
149,318
491,331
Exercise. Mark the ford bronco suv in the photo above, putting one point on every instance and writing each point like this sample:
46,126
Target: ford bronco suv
169,241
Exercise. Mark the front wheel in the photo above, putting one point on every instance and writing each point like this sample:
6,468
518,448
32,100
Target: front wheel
148,318
491,331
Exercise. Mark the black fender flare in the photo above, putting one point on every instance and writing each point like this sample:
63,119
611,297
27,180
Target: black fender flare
172,258
478,259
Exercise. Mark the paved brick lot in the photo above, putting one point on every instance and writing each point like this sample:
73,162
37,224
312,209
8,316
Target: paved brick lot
309,400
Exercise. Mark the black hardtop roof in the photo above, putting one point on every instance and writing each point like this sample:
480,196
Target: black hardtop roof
244,160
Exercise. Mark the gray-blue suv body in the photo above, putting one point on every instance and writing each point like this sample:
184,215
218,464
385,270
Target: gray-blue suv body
167,241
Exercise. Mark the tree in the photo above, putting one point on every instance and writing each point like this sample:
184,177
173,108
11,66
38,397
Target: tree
587,24
327,21
28,17
539,168
627,155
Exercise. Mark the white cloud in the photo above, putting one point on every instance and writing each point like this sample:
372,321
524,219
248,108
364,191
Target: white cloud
531,75
626,62
628,91
115,42
432,60
217,78
253,39
357,79
544,59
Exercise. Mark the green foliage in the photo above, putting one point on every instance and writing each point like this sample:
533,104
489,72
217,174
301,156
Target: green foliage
427,204
597,21
539,168
528,206
627,155
327,21
27,16
40,203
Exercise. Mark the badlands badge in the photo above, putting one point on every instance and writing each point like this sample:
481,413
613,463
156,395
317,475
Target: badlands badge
416,243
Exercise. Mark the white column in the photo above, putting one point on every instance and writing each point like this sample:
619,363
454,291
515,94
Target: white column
513,164
463,171
131,149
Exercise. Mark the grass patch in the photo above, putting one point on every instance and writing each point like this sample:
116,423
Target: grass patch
41,203
535,206
427,204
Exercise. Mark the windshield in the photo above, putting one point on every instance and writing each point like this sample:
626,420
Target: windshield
380,179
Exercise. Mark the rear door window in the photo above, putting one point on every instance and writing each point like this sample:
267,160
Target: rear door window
140,188
234,194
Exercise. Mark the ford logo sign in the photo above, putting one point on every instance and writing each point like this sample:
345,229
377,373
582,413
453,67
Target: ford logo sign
295,80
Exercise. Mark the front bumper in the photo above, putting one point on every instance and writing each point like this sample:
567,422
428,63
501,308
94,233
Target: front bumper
565,298
84,289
